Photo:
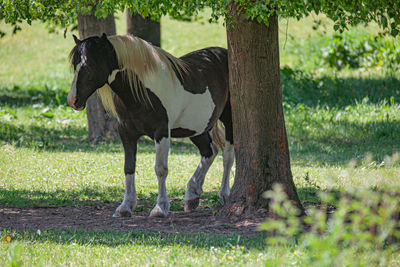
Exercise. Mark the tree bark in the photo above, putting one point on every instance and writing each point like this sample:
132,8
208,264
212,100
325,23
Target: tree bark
261,147
101,125
144,28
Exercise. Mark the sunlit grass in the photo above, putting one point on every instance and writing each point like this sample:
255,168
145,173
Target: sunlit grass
134,248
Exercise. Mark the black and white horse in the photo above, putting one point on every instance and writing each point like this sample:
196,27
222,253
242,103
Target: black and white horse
152,93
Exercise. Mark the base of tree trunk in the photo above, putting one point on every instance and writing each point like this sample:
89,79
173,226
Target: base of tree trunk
101,126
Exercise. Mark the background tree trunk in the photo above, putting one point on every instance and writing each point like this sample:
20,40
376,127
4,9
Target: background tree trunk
144,28
261,147
101,125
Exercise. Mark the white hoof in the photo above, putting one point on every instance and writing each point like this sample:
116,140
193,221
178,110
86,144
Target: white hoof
160,210
124,210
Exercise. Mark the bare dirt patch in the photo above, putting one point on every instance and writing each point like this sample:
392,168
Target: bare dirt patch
99,217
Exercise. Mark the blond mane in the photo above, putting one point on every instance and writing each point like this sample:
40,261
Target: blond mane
137,58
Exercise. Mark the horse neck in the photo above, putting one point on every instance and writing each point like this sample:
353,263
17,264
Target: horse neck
121,88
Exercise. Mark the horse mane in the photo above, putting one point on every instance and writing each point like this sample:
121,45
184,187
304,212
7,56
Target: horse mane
138,58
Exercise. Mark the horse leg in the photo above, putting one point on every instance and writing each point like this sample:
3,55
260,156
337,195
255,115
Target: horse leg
228,159
128,205
162,148
228,154
208,151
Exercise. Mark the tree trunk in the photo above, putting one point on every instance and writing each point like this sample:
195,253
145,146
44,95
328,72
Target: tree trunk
101,125
261,147
144,28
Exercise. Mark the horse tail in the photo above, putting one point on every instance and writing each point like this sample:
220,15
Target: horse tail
218,135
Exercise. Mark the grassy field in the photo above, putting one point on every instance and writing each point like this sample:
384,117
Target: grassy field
343,130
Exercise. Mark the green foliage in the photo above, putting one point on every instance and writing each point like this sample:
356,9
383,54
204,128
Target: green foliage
56,13
364,221
343,12
369,52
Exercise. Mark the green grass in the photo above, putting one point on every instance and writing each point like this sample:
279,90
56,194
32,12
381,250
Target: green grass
343,131
70,247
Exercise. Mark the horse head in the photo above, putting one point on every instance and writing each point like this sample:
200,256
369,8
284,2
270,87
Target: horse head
93,60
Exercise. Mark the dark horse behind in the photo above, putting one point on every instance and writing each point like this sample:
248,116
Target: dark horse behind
153,93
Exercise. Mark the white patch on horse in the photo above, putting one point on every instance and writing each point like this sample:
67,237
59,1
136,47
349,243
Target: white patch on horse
162,207
195,184
128,205
72,92
184,109
228,159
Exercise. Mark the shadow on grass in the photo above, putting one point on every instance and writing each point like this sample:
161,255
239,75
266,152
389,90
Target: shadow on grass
23,198
336,144
140,238
39,198
343,141
72,138
311,90
19,96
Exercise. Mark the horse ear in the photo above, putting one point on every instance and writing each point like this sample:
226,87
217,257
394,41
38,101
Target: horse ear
77,41
104,36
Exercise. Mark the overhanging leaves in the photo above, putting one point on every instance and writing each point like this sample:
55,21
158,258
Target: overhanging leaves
343,12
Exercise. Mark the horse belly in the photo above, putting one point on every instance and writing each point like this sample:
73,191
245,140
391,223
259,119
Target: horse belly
196,112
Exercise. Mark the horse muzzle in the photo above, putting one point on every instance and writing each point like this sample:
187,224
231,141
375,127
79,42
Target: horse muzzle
72,103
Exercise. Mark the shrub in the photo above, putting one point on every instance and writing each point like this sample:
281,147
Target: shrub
364,229
348,51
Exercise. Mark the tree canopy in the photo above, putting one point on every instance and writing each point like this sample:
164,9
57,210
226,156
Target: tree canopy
343,12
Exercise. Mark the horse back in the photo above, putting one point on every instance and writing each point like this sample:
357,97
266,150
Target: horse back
206,69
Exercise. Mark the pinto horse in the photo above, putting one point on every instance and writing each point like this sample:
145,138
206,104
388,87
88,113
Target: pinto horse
153,93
